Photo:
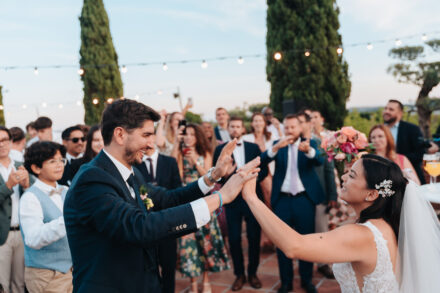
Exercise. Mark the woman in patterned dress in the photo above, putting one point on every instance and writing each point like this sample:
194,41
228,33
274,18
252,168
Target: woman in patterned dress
203,251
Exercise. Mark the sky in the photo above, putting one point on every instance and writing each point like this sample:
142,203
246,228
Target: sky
47,32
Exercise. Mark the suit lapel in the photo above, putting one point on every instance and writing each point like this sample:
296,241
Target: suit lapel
139,183
246,152
400,134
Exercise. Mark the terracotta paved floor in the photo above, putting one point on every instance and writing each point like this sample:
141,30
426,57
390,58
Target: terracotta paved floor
268,274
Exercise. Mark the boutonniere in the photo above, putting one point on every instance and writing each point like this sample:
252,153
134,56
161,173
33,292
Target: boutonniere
143,191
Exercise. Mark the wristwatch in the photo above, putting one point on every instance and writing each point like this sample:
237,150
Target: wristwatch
209,174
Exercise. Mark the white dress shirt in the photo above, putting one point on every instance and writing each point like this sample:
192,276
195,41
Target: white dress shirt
16,155
69,157
153,158
267,145
239,155
224,134
38,234
286,183
32,140
15,196
275,134
199,207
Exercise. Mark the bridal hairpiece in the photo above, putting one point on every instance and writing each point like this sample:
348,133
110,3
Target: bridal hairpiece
384,188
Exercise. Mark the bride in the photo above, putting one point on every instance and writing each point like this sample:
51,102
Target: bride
394,247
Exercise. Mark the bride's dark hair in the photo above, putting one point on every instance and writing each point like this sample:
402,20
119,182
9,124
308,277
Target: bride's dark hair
377,169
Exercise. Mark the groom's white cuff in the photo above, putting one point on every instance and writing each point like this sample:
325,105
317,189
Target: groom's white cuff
201,212
203,187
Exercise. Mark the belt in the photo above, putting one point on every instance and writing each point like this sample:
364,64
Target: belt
16,228
293,195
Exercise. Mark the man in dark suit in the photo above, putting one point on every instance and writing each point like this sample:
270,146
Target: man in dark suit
296,191
74,142
238,209
221,130
162,170
407,136
114,219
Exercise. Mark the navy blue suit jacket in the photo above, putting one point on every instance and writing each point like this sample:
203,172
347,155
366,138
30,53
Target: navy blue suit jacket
251,151
166,173
112,237
306,169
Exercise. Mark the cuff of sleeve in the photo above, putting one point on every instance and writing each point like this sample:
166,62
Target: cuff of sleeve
311,154
201,212
203,187
270,152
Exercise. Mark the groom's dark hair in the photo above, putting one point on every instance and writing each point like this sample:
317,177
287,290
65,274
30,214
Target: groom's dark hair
127,114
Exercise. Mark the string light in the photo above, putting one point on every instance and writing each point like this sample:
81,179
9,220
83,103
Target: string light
369,46
307,53
137,97
159,92
36,70
277,56
110,100
95,101
164,67
24,106
60,106
240,60
2,108
424,37
398,42
78,103
44,104
339,51
80,71
204,64
124,69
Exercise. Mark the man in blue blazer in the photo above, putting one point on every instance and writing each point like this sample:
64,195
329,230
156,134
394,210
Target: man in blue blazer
163,171
114,220
296,191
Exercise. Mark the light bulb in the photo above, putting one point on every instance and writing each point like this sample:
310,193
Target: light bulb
78,103
339,51
60,106
159,92
307,53
80,71
398,42
2,108
44,104
36,70
277,56
165,67
370,46
204,64
24,106
424,37
124,69
95,101
240,60
110,100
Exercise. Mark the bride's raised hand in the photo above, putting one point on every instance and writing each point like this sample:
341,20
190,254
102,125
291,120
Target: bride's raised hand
249,190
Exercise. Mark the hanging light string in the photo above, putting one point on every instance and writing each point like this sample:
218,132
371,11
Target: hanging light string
398,41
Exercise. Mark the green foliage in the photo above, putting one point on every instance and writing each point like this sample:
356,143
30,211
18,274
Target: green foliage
257,107
363,121
191,117
321,80
407,52
102,79
2,111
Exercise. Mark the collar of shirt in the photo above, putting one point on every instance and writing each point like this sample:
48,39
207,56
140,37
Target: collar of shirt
395,126
46,188
124,171
10,167
297,142
69,157
154,156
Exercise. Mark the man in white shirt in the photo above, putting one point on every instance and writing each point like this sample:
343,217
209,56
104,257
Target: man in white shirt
18,144
114,220
221,130
14,178
273,124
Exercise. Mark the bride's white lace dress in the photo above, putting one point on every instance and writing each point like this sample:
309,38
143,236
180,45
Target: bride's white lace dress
382,279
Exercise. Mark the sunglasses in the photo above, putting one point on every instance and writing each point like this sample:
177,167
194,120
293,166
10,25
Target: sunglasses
77,139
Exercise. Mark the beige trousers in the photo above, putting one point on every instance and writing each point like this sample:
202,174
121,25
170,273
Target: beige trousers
12,263
321,221
47,281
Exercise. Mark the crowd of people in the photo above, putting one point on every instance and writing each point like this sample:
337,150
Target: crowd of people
295,181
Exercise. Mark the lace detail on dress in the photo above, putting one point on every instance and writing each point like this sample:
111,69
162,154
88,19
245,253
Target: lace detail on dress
382,279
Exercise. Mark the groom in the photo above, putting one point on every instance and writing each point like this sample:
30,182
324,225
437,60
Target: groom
112,234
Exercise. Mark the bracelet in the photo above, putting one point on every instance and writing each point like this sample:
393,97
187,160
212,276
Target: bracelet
220,209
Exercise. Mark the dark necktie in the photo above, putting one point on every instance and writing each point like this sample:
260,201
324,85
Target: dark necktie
132,183
150,160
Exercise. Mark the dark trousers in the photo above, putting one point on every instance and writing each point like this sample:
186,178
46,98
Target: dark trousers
167,251
299,213
235,212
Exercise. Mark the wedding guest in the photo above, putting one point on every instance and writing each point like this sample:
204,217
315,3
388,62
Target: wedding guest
273,124
18,144
326,175
221,130
14,178
46,251
383,142
237,211
210,135
296,191
167,133
94,144
162,170
43,126
203,251
30,130
407,136
73,140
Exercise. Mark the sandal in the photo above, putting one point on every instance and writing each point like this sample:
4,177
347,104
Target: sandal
207,288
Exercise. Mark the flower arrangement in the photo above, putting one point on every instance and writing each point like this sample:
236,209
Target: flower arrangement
143,191
346,144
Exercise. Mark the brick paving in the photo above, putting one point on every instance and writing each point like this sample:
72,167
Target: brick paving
268,274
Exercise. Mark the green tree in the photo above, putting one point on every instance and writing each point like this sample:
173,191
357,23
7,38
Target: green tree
311,72
413,69
2,111
101,78
191,117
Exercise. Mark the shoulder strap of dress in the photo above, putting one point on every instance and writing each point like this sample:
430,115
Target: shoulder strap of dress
401,160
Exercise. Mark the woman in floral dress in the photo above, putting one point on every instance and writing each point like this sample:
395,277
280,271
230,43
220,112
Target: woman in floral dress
203,251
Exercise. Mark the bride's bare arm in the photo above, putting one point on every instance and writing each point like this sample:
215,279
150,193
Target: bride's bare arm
350,243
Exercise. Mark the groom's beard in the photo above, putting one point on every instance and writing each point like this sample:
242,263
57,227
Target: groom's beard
133,156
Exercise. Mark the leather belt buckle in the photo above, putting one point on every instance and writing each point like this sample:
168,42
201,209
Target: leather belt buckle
16,228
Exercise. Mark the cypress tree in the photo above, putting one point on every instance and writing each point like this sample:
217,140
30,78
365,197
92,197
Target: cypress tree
297,28
2,107
101,78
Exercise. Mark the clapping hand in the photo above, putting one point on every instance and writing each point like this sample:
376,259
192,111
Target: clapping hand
224,165
304,146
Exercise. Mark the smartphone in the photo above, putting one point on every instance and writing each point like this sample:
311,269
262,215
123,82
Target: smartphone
190,101
182,123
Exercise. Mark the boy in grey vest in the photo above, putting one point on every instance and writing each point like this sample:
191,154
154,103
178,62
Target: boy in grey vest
46,251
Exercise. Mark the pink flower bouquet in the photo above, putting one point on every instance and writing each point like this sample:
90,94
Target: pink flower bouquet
345,145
